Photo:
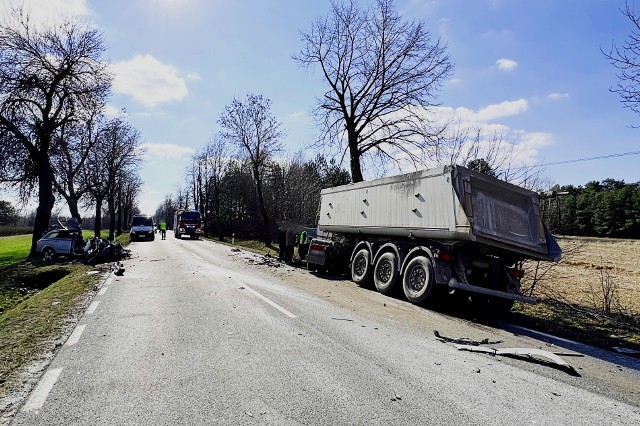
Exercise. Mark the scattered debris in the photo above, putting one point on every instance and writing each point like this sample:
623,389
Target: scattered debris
93,272
464,340
235,249
528,354
118,269
396,397
342,319
249,414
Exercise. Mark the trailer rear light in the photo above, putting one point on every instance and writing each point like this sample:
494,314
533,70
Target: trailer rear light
516,273
316,247
445,255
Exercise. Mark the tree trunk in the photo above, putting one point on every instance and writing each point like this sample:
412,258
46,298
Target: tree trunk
354,154
72,202
98,221
263,209
46,200
111,205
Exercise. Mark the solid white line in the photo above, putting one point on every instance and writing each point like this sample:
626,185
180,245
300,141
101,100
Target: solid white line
75,336
108,281
196,256
103,290
275,305
93,306
40,394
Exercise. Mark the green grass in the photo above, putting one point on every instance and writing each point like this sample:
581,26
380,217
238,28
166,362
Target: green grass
14,249
30,325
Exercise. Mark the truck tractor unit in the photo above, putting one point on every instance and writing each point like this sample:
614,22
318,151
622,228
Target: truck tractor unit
447,228
187,222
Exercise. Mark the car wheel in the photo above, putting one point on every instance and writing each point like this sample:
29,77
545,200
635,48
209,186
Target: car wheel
49,254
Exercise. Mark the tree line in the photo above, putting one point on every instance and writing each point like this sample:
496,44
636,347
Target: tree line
55,139
610,208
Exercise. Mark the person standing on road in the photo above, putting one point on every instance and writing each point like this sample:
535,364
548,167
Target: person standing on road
163,229
303,245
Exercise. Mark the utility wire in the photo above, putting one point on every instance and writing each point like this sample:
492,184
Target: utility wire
576,160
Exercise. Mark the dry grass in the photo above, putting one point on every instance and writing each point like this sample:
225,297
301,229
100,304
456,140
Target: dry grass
592,295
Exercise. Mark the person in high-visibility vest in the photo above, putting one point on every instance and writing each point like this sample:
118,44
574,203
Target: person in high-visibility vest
303,245
163,229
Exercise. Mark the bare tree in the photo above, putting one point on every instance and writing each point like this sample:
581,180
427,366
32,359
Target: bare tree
48,77
626,58
70,147
384,73
109,165
256,133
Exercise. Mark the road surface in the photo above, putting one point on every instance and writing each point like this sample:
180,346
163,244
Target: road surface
195,333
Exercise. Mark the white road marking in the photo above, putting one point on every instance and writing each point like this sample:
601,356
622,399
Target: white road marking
93,306
196,256
40,394
274,304
103,290
108,281
75,336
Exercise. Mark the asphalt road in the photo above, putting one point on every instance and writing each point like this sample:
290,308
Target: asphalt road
195,333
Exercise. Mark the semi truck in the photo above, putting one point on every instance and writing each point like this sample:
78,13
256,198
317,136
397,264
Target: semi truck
442,230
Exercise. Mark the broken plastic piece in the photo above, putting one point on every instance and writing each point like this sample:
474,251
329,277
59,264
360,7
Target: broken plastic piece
528,354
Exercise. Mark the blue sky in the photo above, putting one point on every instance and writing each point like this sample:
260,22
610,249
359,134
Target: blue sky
531,68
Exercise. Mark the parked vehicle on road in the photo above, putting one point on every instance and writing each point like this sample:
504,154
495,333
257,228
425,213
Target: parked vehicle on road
142,227
187,222
446,228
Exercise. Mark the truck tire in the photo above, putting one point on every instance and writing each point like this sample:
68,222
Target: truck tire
361,267
385,273
417,280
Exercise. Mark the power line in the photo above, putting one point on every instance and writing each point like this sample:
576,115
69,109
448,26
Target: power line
577,160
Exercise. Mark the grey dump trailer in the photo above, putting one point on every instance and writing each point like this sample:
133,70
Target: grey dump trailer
447,228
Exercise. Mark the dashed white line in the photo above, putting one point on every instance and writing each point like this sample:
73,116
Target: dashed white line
40,394
75,336
92,307
103,290
270,302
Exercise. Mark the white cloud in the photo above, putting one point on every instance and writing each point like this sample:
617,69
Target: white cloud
148,81
454,81
503,109
193,76
164,151
505,64
557,96
297,115
48,12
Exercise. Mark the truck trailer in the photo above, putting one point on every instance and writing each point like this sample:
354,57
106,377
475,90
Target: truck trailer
446,228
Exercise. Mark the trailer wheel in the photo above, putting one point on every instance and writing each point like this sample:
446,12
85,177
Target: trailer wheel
417,281
385,273
361,267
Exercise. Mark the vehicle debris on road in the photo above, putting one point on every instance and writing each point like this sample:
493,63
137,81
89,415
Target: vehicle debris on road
539,356
464,340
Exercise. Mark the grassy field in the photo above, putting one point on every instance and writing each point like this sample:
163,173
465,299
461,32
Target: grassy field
592,295
35,299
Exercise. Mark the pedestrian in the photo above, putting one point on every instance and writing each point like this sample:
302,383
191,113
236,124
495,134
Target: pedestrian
303,245
289,246
163,229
